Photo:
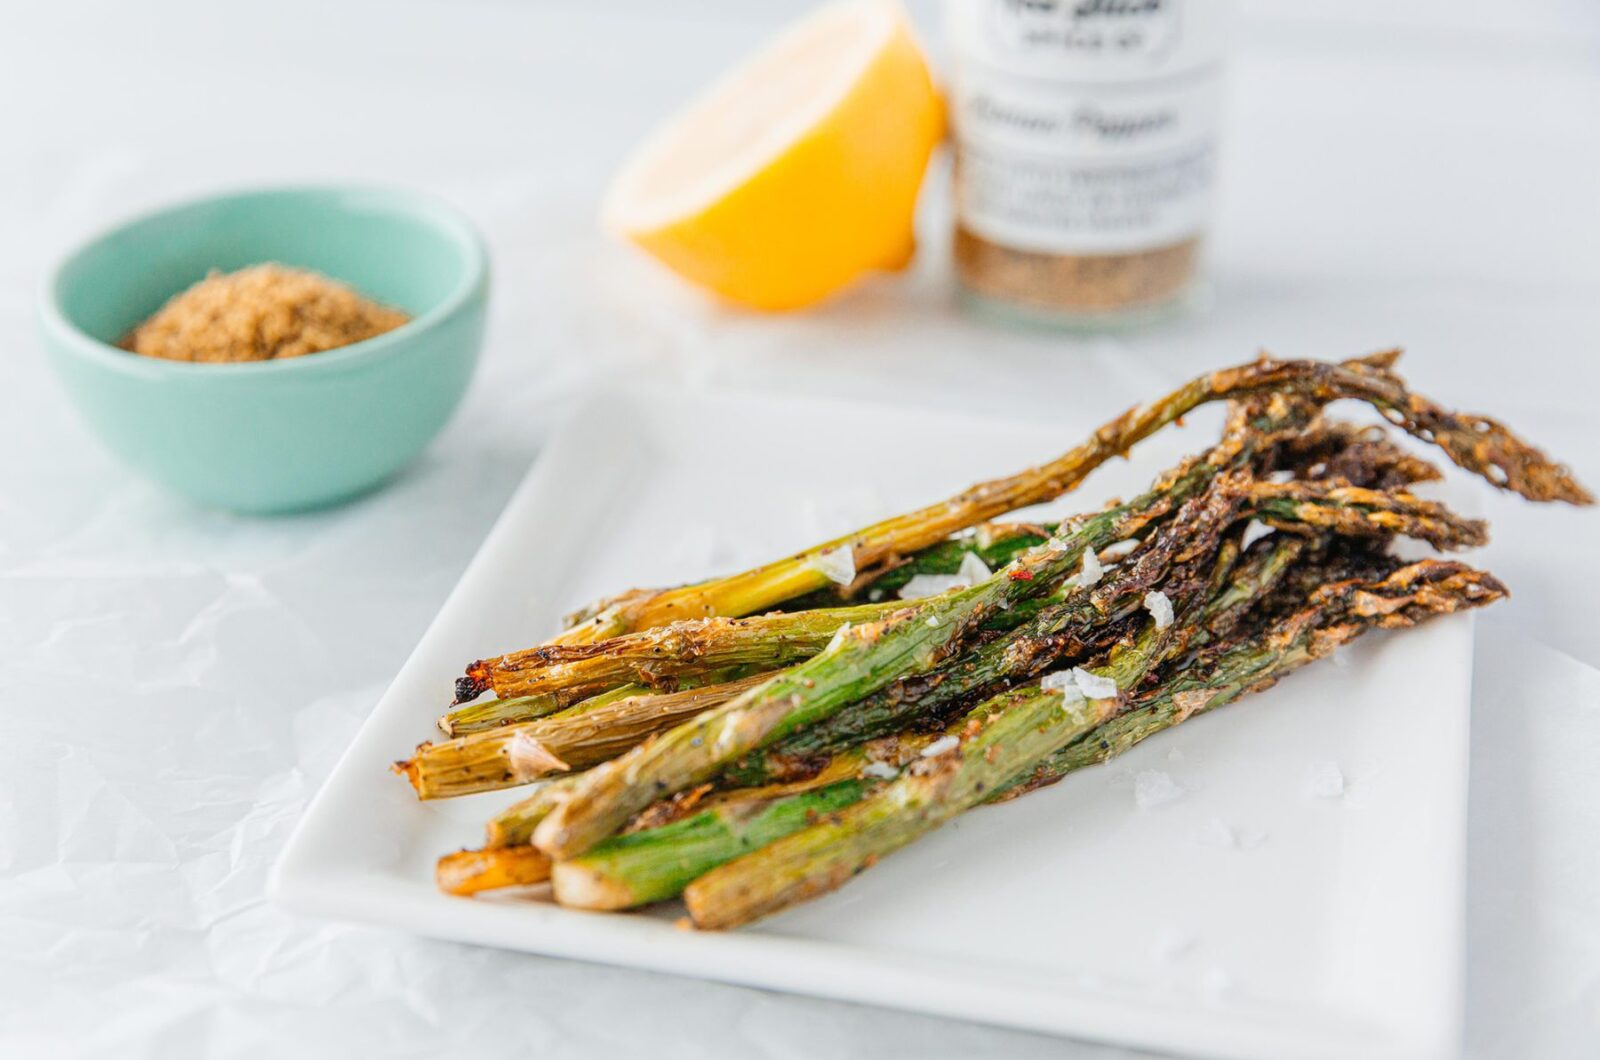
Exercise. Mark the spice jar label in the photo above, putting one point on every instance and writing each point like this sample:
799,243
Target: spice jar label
1085,126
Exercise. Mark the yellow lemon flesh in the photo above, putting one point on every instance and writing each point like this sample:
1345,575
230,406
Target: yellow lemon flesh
795,173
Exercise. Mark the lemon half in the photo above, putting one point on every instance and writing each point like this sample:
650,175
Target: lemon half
798,171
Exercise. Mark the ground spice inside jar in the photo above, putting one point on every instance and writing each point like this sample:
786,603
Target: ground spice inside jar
261,313
1085,283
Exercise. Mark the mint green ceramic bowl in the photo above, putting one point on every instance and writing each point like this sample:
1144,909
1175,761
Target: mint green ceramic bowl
274,436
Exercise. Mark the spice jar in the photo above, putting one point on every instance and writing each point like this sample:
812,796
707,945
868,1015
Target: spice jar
1085,136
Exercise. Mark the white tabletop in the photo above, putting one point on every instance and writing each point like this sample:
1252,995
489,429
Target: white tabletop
177,682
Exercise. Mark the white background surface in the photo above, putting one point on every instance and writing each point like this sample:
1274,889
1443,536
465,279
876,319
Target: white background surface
175,683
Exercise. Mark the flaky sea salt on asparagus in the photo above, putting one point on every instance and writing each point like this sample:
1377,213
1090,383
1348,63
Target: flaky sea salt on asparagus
942,745
528,759
1094,686
1254,531
1121,549
1160,608
1063,681
838,565
972,571
1091,571
919,586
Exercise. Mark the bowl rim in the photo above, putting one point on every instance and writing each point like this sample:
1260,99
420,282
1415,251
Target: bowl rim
423,205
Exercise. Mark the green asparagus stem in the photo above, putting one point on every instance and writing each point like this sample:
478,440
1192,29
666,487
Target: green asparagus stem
860,660
1248,584
514,826
512,830
1069,630
494,712
1476,443
1013,734
510,755
1335,615
1064,631
653,864
996,544
671,653
498,713
999,738
1233,601
657,863
1269,568
1358,512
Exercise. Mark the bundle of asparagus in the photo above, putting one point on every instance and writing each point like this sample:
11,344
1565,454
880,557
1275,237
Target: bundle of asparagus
752,741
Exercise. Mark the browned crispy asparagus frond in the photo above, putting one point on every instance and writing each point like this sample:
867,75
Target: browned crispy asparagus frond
1338,452
1476,443
1358,512
1412,594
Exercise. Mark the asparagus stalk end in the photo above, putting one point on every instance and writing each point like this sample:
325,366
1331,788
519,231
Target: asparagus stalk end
468,872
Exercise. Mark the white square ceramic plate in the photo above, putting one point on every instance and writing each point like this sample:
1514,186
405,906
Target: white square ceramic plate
1243,916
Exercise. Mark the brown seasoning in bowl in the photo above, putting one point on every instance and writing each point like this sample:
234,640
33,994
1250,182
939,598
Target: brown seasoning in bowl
261,313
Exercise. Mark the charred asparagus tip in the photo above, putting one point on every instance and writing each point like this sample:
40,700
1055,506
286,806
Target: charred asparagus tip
469,687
